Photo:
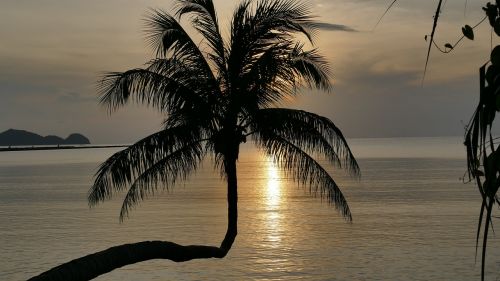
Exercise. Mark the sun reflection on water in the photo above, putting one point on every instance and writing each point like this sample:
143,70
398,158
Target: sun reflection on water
273,187
273,199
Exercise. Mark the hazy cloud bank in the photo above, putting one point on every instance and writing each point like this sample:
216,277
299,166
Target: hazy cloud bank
335,27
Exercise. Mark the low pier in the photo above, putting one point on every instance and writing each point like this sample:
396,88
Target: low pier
55,147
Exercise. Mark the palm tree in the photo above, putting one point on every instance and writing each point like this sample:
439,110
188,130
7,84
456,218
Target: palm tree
213,102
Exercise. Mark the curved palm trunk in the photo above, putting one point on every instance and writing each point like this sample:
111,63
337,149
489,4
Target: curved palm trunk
232,205
93,265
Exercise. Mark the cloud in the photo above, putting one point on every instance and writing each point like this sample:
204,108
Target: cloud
73,97
334,27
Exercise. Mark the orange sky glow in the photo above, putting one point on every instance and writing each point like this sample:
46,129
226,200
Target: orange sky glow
52,54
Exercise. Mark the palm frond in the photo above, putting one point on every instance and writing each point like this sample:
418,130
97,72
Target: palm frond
167,38
303,168
285,16
204,19
199,92
272,22
176,165
311,66
268,78
308,131
165,84
279,70
236,51
123,167
142,86
297,132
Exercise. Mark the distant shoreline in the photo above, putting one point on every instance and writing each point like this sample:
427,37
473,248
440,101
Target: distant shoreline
55,147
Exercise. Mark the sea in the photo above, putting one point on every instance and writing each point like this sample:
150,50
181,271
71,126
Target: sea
414,218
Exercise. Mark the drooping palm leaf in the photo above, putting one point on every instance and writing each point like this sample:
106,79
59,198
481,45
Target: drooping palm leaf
142,86
312,67
123,167
310,132
303,168
166,84
165,172
300,134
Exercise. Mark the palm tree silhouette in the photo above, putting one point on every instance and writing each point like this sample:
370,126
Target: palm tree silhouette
214,101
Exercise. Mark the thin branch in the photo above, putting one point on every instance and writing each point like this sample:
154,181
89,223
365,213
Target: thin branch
434,26
380,19
445,51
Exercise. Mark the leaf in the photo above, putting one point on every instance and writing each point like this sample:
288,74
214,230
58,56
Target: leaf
491,74
497,102
495,56
468,32
448,45
496,26
491,116
491,12
478,173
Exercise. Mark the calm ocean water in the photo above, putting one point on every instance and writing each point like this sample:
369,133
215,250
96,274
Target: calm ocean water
413,218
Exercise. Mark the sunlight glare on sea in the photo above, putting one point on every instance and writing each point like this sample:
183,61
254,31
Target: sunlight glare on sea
413,218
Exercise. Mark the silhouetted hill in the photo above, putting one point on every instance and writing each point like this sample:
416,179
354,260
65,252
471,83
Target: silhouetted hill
21,137
52,140
76,139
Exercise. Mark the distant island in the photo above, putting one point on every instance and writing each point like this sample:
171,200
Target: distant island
14,137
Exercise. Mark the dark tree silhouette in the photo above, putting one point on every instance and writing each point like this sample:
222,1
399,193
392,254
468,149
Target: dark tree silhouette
214,101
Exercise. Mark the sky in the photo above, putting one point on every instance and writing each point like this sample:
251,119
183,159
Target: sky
52,53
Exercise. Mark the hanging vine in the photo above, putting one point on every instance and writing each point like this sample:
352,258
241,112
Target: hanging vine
483,154
483,158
